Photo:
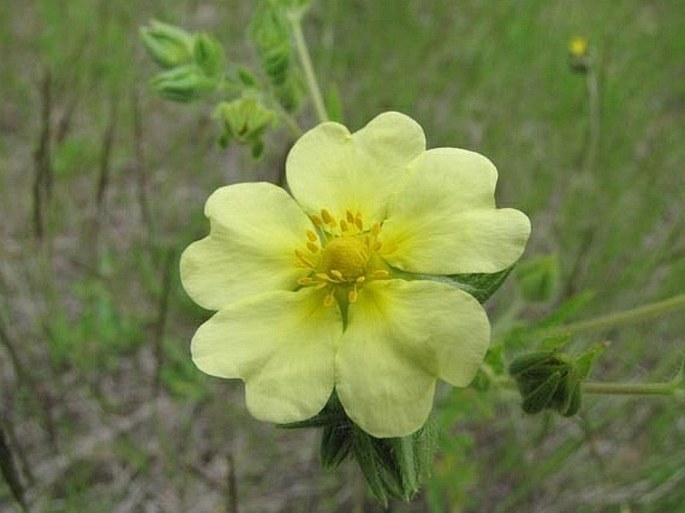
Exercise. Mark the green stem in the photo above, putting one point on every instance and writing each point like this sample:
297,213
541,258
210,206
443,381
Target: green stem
629,388
632,316
306,61
599,388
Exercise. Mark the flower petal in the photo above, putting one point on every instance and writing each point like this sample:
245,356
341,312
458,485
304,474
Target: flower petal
330,168
282,344
401,336
444,221
255,230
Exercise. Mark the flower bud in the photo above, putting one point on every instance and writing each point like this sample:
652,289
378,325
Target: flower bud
168,45
208,54
271,35
184,84
547,380
245,120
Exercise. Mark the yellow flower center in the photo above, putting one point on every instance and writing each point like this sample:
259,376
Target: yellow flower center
348,255
346,258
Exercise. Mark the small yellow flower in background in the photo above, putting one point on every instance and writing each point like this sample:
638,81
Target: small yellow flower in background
578,47
329,289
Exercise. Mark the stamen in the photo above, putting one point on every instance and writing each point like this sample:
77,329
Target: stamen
380,274
323,277
377,245
361,279
305,280
352,295
316,220
329,299
358,222
337,274
327,217
343,225
350,217
303,258
312,247
312,236
376,229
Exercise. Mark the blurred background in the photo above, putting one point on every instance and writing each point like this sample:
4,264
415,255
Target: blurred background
102,185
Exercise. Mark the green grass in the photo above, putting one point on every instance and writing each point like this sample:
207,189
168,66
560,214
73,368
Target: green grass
100,331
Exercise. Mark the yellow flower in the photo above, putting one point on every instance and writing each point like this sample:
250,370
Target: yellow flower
322,291
578,46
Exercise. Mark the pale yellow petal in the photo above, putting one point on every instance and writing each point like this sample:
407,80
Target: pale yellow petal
282,344
255,230
444,221
401,336
330,168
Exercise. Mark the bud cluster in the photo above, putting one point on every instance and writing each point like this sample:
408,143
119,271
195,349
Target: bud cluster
193,63
547,380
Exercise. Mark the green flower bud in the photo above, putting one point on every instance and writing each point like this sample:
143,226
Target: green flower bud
245,120
168,45
208,54
271,35
538,278
184,84
548,380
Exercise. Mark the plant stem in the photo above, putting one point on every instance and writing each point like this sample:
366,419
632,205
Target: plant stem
629,388
306,61
600,388
631,316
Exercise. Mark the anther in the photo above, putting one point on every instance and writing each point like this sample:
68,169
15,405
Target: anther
376,228
323,277
327,217
305,280
329,299
358,222
312,236
316,220
343,225
337,274
380,274
350,217
352,295
312,247
303,258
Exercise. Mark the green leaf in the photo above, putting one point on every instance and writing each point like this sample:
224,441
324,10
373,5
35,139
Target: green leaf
481,286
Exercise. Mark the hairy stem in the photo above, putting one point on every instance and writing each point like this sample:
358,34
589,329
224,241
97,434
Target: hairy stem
306,61
632,316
